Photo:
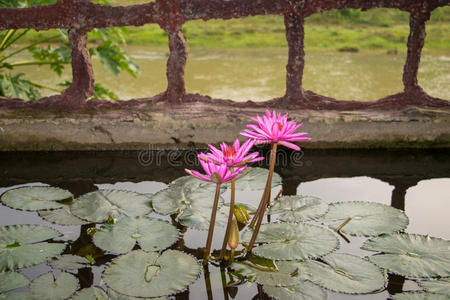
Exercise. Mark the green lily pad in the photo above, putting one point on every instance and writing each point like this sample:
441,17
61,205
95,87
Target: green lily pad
287,241
35,198
256,179
117,296
144,274
91,293
419,296
283,274
21,246
304,291
186,192
46,287
367,219
343,273
69,262
411,255
16,296
441,286
99,205
298,208
200,218
150,234
62,216
11,281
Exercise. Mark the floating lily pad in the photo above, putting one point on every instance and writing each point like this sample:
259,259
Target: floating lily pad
21,246
150,234
11,281
46,287
15,296
185,193
287,241
200,218
305,290
36,198
117,296
419,296
343,273
282,274
99,205
91,293
62,216
367,219
256,179
411,255
69,262
299,208
441,286
144,274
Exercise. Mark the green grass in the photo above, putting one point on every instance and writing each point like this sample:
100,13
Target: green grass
376,29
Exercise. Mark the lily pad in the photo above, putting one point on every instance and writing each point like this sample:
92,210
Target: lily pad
283,274
305,290
91,293
69,262
99,205
256,179
367,219
441,286
35,198
411,255
21,246
15,296
186,192
62,216
46,287
287,241
299,208
150,234
200,218
144,274
117,296
11,281
419,296
343,273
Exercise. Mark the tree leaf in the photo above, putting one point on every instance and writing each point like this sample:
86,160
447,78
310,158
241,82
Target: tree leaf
62,216
298,208
287,241
11,281
144,274
35,197
256,179
150,234
69,262
46,287
91,293
29,252
343,273
367,219
411,255
441,286
99,205
305,290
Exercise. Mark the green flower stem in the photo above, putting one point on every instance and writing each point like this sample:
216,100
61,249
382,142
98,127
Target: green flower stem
263,204
230,218
211,224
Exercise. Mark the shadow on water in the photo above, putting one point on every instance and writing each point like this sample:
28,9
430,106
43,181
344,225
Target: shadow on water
83,172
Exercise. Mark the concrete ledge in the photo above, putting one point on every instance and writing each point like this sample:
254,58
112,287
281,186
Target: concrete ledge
194,125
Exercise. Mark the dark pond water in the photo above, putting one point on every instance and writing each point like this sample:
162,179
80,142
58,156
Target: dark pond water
416,181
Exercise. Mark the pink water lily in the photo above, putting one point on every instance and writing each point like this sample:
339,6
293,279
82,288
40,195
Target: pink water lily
232,156
214,172
275,128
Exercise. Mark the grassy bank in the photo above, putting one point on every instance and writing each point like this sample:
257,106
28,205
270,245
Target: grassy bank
376,29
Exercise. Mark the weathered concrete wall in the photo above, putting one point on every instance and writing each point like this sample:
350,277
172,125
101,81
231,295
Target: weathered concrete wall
196,124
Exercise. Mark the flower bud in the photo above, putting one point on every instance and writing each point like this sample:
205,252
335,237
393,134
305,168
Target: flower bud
233,237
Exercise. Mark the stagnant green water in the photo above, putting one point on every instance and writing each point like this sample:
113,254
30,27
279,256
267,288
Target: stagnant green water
259,74
414,181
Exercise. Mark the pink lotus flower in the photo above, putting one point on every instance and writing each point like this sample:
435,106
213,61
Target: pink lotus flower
215,173
232,156
275,129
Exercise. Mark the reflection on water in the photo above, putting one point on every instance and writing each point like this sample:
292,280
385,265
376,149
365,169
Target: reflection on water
259,74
